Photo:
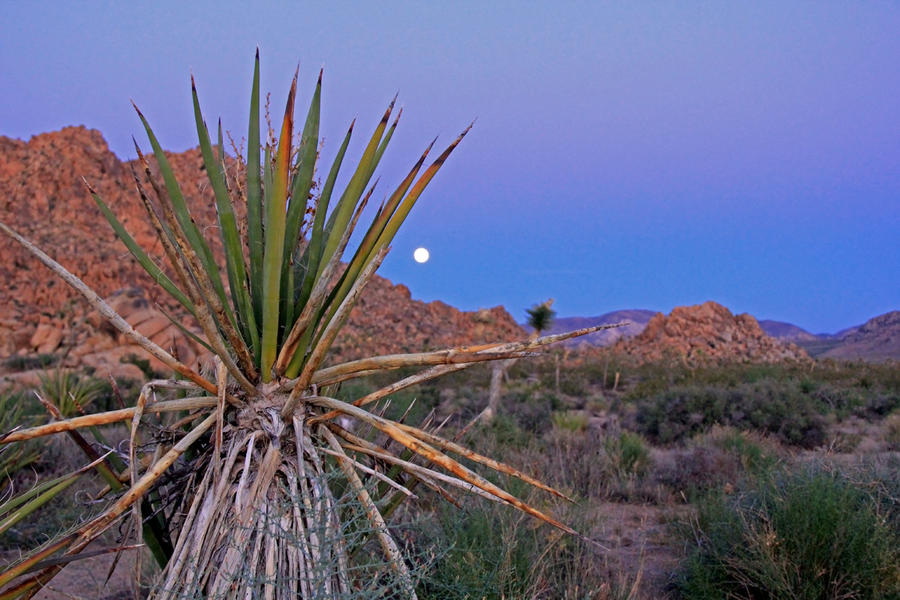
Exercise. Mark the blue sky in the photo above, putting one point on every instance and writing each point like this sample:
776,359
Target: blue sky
625,155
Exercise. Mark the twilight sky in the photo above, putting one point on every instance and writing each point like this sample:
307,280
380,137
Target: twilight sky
626,155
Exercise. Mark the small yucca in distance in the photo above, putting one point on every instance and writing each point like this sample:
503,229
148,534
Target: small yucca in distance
237,498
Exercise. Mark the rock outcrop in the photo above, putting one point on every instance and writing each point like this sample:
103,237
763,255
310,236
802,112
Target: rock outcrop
704,333
43,197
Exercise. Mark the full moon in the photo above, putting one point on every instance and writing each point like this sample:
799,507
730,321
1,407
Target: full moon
421,255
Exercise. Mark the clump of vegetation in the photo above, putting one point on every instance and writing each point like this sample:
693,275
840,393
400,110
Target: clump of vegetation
628,455
28,362
810,533
570,421
779,409
14,457
490,553
70,392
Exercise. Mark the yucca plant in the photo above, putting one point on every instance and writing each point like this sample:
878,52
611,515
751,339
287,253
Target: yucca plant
237,498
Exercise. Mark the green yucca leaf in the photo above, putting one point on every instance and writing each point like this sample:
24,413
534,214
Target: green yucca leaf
343,212
302,183
274,209
409,201
313,251
384,142
182,215
362,255
304,169
145,261
17,508
254,200
387,234
231,240
221,147
338,223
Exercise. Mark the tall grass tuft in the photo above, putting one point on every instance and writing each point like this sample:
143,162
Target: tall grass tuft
808,534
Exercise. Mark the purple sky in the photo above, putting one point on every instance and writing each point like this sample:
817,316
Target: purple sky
626,155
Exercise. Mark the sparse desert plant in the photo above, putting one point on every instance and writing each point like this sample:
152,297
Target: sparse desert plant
244,495
13,457
808,534
70,392
570,420
490,553
627,455
723,459
892,431
27,362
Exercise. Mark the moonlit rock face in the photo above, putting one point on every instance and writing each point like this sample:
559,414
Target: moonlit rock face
421,255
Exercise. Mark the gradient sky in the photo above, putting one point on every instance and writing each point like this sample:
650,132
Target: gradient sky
626,155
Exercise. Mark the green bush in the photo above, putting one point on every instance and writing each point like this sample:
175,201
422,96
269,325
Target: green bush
809,534
570,420
778,408
627,454
27,363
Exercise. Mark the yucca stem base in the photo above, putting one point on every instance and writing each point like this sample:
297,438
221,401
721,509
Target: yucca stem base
268,519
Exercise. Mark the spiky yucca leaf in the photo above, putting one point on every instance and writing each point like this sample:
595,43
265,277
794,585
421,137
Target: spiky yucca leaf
251,458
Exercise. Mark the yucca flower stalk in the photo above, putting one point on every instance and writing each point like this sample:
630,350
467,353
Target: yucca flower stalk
237,498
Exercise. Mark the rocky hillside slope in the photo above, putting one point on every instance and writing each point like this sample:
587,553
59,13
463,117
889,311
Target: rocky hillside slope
707,332
876,339
42,196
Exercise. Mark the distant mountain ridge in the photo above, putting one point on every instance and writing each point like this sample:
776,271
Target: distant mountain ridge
876,339
637,320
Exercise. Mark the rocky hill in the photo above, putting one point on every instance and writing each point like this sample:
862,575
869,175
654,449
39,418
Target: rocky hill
42,196
707,332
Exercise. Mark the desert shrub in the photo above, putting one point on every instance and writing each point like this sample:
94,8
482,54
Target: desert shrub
504,431
70,392
722,459
878,404
757,455
807,534
627,455
779,409
892,432
569,420
489,552
531,408
28,362
574,462
14,457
